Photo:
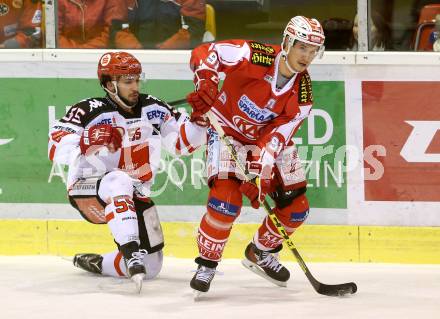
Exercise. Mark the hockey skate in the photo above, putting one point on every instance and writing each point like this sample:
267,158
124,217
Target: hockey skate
136,269
88,262
134,262
265,264
202,280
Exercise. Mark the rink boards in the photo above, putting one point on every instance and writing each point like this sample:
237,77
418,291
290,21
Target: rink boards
319,243
361,100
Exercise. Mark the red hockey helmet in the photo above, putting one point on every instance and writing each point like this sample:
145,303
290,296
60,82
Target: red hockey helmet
113,64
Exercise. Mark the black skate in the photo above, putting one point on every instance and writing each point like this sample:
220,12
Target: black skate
201,281
202,278
266,265
134,262
88,262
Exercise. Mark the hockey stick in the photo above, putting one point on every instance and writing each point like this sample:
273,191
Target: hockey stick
177,102
328,290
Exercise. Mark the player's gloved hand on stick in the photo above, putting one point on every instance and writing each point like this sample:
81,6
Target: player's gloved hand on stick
269,146
98,136
257,188
206,91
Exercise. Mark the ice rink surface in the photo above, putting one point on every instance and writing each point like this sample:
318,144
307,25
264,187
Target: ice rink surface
51,287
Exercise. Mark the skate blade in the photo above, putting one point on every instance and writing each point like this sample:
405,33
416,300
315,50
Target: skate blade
138,280
198,294
257,270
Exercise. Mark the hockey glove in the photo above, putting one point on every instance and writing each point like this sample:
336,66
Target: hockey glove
206,90
98,136
270,145
257,188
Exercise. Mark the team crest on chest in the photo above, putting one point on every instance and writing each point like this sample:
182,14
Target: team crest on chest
246,127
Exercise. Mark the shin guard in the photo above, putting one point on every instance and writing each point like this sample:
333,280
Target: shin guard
224,205
121,217
290,216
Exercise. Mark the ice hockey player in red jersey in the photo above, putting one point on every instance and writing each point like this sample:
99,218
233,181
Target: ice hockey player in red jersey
265,96
112,146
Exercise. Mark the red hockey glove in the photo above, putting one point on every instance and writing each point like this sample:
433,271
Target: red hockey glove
100,135
257,189
270,145
206,92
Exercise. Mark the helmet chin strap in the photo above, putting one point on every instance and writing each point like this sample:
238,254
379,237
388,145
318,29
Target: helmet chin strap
291,70
116,96
285,53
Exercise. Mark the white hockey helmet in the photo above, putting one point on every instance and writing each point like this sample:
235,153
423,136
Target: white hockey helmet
307,30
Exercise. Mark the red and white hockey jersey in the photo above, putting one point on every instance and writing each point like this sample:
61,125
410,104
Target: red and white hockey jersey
153,125
249,104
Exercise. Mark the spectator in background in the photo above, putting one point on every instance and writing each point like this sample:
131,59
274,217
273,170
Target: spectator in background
379,33
338,33
20,24
167,24
94,24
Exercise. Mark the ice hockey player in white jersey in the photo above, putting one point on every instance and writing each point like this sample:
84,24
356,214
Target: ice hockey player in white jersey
112,146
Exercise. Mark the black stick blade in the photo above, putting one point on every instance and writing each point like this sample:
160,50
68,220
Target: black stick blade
337,290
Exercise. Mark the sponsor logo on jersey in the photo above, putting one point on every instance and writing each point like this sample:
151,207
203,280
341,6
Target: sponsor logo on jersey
104,121
258,47
222,207
262,59
84,187
94,104
156,114
299,216
130,122
222,98
211,60
246,105
212,136
64,128
4,9
247,128
305,90
403,135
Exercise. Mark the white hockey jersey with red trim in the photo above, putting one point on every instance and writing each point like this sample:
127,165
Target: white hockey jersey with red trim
249,104
153,125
